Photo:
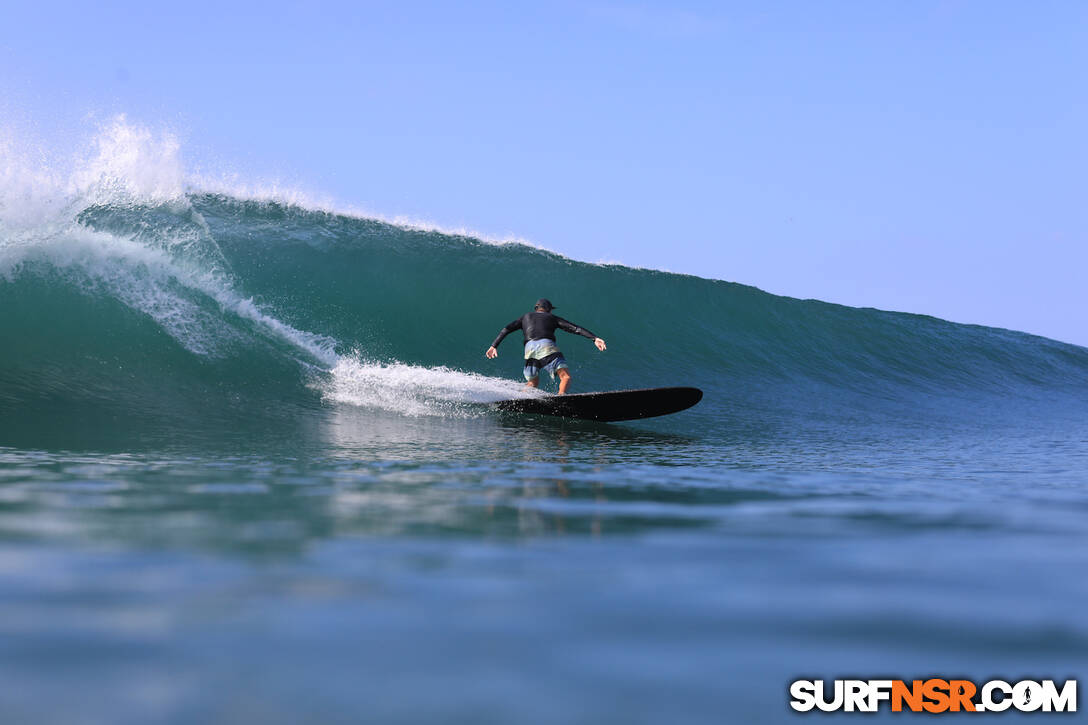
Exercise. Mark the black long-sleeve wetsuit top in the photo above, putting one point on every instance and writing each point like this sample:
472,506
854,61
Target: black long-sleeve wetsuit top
541,326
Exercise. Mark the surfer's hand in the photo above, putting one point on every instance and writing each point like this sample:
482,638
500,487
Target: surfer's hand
600,344
492,353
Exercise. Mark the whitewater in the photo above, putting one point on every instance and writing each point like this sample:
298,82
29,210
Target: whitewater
243,476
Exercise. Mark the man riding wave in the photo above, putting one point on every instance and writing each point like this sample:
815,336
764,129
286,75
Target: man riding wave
541,352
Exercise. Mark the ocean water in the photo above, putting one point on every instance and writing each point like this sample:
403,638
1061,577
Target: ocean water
244,478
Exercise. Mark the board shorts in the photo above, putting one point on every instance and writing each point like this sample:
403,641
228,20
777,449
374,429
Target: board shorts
543,355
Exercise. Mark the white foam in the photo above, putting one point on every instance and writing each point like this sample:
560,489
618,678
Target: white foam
131,162
152,281
412,389
40,201
29,198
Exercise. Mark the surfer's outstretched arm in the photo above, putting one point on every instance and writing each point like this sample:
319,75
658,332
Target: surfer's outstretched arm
492,352
576,330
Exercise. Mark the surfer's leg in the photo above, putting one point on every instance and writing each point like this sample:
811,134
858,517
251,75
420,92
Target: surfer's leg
532,374
564,379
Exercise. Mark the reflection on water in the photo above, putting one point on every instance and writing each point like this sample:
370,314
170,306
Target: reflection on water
364,473
364,434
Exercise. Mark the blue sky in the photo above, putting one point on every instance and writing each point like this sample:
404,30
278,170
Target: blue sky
918,156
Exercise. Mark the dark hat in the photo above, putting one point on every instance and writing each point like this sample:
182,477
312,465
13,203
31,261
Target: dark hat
545,303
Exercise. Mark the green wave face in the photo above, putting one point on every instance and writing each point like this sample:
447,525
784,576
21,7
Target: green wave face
213,314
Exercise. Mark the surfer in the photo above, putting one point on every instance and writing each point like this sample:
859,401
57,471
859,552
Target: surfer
541,352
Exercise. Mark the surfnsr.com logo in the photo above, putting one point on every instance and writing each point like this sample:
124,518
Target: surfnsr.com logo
933,695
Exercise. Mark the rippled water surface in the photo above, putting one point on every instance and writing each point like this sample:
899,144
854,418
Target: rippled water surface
488,570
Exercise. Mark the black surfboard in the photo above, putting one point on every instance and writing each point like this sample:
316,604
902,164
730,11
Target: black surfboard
610,406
